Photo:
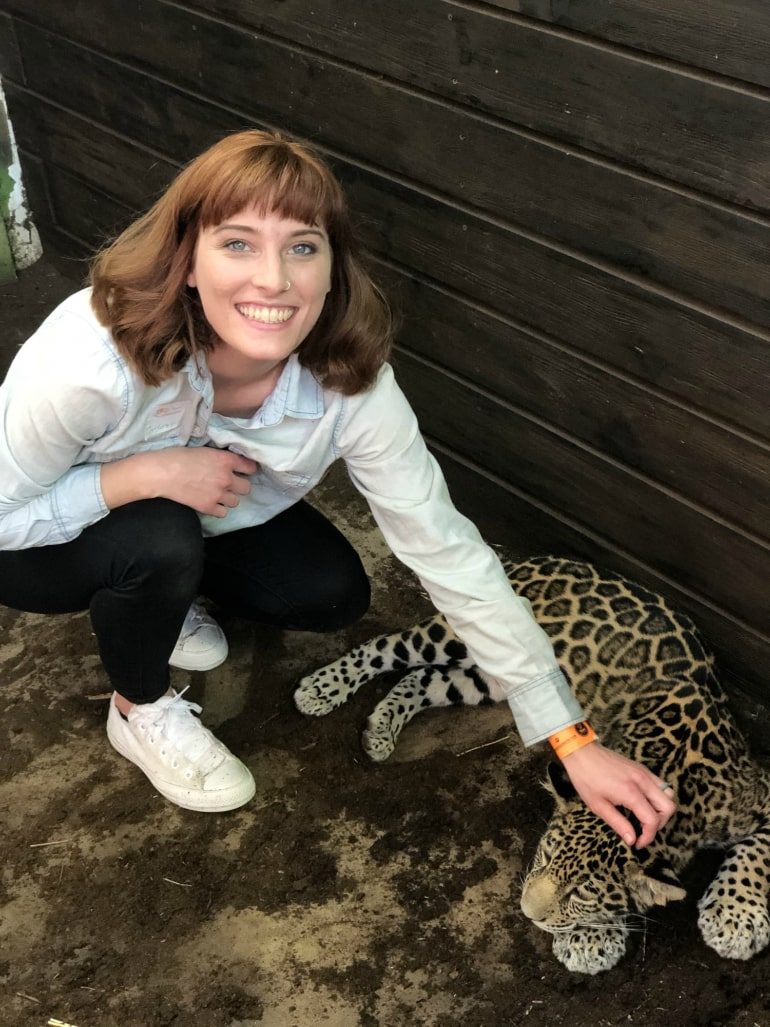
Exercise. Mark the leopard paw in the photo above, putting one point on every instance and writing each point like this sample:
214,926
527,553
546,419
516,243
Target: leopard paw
378,740
734,929
590,951
315,698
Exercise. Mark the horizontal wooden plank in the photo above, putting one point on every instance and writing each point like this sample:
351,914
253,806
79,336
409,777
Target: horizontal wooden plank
10,55
680,541
87,215
519,523
714,255
696,132
700,360
700,460
111,163
729,37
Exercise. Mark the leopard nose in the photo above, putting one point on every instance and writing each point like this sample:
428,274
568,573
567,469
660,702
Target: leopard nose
537,897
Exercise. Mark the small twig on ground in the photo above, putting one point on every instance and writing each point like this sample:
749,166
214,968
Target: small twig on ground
60,841
59,1023
179,884
99,697
495,741
30,998
268,719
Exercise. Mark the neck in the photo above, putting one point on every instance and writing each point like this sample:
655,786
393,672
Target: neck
234,369
240,389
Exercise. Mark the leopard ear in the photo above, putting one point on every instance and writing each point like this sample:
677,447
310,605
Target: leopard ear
560,785
653,885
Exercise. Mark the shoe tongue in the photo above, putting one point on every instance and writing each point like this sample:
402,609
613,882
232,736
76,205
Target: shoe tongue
186,732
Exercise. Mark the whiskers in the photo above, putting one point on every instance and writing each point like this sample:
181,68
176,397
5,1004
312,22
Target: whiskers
607,926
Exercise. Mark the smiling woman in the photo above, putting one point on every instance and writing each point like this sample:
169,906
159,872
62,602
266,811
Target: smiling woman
262,280
162,428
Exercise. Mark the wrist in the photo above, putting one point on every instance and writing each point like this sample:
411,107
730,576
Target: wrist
572,738
129,480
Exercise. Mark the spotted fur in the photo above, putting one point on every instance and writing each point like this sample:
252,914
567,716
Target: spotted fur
648,686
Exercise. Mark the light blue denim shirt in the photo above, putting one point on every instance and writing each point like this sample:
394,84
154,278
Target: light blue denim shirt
70,402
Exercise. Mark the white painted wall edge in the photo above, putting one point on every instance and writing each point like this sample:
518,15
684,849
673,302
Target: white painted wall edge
22,234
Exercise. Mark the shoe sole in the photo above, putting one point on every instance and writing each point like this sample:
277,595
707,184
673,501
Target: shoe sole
193,663
180,798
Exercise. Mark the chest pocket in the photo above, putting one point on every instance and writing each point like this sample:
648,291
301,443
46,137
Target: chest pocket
287,482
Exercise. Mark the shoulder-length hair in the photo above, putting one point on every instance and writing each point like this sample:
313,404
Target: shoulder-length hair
139,281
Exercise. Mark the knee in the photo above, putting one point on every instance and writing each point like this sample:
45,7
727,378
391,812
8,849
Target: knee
164,544
336,602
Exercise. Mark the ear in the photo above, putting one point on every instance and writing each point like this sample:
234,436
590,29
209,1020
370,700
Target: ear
192,281
653,885
560,785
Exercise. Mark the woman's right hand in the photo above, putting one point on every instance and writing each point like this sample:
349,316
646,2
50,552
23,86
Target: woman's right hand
210,481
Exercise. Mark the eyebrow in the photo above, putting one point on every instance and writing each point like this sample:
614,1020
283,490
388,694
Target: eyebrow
255,231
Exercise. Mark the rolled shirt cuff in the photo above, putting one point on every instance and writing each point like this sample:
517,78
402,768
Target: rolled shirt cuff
544,706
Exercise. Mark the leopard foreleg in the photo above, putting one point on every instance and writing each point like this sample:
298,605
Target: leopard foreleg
421,690
591,950
733,916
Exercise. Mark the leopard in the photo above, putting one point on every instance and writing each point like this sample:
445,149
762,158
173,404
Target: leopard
649,686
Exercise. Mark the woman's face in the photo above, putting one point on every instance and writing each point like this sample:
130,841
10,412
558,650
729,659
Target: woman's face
262,281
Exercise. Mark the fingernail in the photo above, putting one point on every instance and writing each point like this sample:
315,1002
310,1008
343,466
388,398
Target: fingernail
629,839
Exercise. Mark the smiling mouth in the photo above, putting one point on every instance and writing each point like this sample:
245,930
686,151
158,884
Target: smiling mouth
265,315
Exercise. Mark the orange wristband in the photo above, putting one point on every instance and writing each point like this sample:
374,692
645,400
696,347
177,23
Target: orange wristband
572,738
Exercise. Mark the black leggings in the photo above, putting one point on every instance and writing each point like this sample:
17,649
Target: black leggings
139,568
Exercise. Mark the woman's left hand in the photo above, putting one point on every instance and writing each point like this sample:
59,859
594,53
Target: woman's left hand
605,780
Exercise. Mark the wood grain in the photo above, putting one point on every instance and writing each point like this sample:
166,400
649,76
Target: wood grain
691,130
688,244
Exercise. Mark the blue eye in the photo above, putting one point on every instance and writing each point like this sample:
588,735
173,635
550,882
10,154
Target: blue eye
304,249
237,246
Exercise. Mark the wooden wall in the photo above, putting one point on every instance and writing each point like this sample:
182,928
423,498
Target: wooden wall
570,200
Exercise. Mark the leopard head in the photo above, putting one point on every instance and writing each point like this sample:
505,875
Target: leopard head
584,882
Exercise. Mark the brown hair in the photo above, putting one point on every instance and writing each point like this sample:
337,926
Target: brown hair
139,281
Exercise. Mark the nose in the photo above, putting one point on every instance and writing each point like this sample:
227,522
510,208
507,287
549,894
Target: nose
268,274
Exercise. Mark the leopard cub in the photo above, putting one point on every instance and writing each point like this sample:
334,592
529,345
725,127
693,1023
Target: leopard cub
649,688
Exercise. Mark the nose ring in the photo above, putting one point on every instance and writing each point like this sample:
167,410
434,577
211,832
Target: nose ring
287,286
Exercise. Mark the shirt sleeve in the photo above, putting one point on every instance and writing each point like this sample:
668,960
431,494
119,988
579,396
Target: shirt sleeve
390,465
52,406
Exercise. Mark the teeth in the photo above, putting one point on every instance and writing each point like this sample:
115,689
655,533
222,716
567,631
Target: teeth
266,315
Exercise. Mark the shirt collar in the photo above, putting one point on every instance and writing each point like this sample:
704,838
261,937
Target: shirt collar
197,371
296,394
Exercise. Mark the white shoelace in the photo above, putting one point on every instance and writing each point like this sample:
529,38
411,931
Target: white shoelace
173,719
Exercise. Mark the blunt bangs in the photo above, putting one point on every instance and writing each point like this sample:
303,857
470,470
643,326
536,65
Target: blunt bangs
272,178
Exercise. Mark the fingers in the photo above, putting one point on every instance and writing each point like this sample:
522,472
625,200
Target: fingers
653,808
240,464
230,500
241,486
620,824
650,821
661,798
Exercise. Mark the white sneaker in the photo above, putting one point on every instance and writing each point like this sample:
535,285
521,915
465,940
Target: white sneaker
201,644
181,757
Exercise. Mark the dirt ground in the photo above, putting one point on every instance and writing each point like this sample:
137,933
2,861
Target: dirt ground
346,894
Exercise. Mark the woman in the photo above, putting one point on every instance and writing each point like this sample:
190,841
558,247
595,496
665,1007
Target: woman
162,428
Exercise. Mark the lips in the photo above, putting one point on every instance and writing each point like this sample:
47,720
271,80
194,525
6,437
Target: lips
265,315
